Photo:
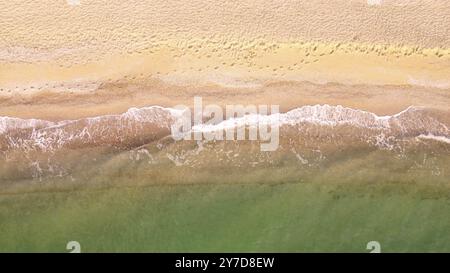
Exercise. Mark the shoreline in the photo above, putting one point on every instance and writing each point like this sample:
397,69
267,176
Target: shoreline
113,99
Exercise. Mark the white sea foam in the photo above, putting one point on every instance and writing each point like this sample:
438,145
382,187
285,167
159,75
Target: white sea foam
9,123
436,138
131,124
47,135
316,114
326,115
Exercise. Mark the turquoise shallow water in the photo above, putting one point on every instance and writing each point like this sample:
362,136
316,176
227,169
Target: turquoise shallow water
292,217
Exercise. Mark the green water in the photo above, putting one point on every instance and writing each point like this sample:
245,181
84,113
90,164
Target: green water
292,217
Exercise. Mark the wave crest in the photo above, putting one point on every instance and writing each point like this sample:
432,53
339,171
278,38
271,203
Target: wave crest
139,126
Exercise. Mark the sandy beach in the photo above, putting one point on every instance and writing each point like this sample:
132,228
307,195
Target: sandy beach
360,150
291,56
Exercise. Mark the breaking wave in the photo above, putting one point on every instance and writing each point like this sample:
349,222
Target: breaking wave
139,126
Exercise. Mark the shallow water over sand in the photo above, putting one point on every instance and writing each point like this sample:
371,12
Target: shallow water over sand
319,142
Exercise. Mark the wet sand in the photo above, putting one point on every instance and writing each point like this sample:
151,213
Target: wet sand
118,98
